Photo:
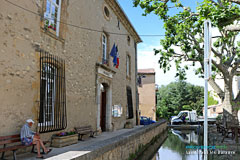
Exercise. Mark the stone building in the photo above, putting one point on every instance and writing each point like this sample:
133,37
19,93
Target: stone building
214,110
147,92
56,67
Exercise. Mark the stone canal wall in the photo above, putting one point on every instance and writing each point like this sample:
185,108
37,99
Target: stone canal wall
125,145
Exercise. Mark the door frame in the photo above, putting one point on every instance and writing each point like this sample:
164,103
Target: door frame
104,76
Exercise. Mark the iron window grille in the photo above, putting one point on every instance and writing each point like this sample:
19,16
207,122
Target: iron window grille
52,114
129,103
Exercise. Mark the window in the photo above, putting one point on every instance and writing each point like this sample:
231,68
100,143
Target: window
52,16
52,112
139,80
128,65
118,25
48,91
214,109
128,40
106,12
129,103
104,49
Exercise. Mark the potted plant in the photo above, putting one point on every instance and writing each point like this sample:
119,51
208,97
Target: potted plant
64,139
48,26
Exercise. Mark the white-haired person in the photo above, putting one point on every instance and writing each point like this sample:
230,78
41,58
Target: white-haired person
28,137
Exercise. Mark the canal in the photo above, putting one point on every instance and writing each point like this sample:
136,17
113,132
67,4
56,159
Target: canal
174,146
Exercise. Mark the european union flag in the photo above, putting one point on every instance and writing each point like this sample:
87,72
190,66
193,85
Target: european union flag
113,51
115,55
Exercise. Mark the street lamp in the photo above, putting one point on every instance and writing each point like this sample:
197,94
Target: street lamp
207,75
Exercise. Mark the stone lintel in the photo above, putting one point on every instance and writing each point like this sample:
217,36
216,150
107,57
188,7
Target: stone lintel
105,70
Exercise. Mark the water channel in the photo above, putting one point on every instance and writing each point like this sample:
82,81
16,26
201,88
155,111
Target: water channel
172,145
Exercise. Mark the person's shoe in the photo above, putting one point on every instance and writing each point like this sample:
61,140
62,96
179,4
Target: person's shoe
41,157
49,150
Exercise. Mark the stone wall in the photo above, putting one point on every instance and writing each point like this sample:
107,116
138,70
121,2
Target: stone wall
127,144
147,96
21,31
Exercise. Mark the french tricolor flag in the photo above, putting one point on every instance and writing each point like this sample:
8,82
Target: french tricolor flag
117,56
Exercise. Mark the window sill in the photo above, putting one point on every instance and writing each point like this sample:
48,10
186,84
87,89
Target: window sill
46,31
105,64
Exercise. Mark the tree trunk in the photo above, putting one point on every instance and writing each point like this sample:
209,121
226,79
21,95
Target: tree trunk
227,103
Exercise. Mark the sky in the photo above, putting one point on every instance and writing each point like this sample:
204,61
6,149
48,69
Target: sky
151,24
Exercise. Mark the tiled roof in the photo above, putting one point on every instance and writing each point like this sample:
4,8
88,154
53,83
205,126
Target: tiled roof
148,70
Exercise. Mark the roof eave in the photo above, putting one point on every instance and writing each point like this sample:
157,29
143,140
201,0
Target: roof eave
124,19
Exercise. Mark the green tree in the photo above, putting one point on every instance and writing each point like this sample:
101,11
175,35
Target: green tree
211,100
179,96
184,29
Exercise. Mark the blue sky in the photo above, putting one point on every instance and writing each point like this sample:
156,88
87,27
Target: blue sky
152,25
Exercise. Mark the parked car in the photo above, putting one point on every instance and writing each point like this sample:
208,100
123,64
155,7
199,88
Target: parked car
146,120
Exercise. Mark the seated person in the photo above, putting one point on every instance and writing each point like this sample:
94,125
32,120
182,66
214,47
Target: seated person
28,137
184,118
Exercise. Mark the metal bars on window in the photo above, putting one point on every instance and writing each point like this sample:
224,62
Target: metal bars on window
52,113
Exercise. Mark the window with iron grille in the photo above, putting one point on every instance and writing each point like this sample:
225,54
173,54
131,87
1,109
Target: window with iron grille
129,103
52,114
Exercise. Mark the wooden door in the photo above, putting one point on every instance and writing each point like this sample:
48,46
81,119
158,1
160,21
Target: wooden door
103,111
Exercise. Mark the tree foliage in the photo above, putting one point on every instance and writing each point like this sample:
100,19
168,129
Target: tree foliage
184,30
179,96
211,100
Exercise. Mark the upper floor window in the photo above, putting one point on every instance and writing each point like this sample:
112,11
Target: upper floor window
104,49
52,16
118,25
106,12
128,40
128,65
214,109
139,80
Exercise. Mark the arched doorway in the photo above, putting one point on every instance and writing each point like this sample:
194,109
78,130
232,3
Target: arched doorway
104,98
